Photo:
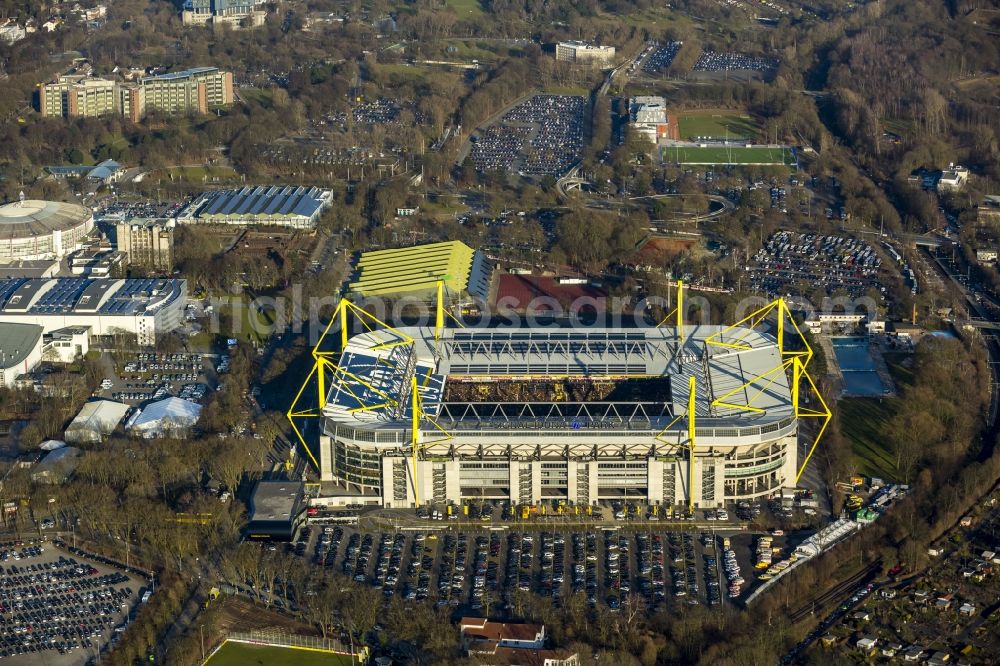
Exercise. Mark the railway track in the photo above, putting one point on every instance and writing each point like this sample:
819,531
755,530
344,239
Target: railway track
835,594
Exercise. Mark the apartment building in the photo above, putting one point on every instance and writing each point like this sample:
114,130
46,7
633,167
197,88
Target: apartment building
234,13
147,242
584,53
72,96
195,90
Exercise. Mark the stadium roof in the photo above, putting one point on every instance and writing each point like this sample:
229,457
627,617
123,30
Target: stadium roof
383,362
17,341
165,415
32,217
414,270
96,419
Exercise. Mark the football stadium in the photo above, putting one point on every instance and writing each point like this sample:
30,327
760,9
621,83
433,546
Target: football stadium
690,415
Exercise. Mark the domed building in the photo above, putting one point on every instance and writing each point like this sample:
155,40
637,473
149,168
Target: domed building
31,229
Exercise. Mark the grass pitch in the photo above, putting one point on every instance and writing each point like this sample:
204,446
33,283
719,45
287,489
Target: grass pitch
729,155
243,654
716,126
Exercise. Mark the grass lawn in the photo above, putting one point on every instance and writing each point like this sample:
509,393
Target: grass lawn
202,173
242,654
465,8
861,420
717,126
728,155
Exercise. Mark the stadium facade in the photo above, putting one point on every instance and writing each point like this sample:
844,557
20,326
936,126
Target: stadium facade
690,415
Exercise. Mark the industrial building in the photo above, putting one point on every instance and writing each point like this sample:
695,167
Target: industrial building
689,415
415,271
96,420
584,53
648,117
295,207
31,229
196,90
276,510
147,242
144,308
20,350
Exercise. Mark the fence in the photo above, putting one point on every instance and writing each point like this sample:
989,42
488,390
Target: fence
281,638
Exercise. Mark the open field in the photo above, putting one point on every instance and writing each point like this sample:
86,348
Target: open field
242,654
728,155
716,125
465,8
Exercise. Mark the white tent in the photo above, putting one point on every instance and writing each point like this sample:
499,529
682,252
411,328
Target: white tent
52,445
165,416
96,420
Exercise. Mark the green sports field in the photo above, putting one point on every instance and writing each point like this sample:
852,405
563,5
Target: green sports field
242,654
728,155
716,126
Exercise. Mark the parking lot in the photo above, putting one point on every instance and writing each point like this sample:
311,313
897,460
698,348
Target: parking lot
59,607
790,259
714,61
661,58
541,136
472,567
151,376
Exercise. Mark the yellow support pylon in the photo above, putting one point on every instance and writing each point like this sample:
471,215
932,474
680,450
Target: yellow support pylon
691,432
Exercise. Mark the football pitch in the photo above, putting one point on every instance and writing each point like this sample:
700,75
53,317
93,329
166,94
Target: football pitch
718,155
716,126
243,654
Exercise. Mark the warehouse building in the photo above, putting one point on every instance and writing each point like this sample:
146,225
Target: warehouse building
295,207
143,308
416,271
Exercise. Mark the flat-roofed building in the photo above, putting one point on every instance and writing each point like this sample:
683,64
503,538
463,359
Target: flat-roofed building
189,91
143,308
147,242
584,53
196,90
233,13
276,510
648,117
78,96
